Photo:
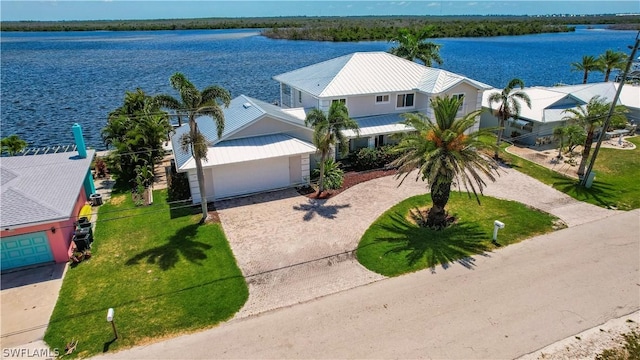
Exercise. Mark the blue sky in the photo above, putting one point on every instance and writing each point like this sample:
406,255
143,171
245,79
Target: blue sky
158,9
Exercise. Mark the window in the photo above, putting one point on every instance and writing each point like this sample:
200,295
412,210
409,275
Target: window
405,100
382,99
458,96
461,109
344,101
299,96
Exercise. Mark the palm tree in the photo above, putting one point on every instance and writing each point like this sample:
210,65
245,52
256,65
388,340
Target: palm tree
612,60
591,117
413,46
509,101
195,103
559,133
327,132
12,144
444,153
136,130
589,63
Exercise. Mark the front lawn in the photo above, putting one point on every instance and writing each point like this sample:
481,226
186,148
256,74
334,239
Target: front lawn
617,173
394,245
163,274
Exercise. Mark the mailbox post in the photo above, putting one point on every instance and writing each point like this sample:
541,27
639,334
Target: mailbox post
497,225
113,324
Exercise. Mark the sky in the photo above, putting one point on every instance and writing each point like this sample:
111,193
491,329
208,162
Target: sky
55,10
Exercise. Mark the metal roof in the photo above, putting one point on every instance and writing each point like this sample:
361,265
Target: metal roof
549,103
41,188
371,73
253,148
377,125
242,112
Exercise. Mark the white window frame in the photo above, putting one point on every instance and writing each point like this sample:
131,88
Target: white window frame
342,100
462,107
383,101
405,101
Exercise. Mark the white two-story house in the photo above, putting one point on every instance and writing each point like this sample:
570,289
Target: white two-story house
266,147
377,88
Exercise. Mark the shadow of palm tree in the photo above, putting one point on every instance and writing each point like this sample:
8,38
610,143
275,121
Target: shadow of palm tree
600,192
317,207
181,243
454,244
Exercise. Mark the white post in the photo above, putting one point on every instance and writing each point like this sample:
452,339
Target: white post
497,225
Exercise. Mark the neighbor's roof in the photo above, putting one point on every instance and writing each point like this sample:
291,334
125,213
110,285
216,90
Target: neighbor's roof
378,125
252,148
549,103
371,73
630,95
242,112
41,188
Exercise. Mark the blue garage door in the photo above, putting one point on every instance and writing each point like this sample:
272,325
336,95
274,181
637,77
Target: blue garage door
25,250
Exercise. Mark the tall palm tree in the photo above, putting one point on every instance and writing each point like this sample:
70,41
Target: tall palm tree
327,132
13,144
195,103
589,63
444,153
509,101
560,133
591,117
413,46
612,60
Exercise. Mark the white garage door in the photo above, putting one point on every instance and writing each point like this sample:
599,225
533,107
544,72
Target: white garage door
251,176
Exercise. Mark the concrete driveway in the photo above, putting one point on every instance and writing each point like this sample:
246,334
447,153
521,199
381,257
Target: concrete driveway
293,249
27,300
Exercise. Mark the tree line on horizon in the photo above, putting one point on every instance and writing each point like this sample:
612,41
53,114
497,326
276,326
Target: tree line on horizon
358,28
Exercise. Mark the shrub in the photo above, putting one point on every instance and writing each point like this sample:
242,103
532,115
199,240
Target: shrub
178,187
333,174
370,159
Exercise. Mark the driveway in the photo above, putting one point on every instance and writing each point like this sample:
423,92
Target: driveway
27,300
293,249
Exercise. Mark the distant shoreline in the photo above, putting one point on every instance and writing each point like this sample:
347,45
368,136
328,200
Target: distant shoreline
357,28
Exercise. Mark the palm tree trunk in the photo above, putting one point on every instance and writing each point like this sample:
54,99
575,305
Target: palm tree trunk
585,153
585,77
606,75
496,155
321,180
437,216
199,174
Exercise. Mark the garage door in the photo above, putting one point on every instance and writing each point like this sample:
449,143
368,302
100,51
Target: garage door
251,176
25,250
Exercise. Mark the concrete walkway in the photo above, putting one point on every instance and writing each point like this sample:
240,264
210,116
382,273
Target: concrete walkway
293,249
513,302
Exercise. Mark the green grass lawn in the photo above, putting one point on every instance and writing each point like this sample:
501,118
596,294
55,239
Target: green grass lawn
162,273
394,245
615,185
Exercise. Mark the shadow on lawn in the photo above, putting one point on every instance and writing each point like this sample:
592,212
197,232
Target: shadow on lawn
167,255
600,192
317,207
454,244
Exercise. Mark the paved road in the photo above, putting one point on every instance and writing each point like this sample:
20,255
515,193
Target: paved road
513,302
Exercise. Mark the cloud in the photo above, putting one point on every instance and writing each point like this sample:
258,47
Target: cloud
432,4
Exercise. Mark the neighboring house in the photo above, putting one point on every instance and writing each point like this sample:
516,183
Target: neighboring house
263,147
377,88
41,196
548,105
266,147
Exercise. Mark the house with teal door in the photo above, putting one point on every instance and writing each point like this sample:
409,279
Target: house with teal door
40,199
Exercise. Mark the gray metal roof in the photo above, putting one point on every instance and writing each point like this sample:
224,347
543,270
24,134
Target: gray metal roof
253,148
242,112
40,188
371,73
378,125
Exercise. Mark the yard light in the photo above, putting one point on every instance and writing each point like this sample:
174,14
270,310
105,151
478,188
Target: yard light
497,225
113,324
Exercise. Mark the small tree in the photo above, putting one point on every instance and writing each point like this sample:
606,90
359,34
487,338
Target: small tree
589,63
333,174
414,45
12,144
509,100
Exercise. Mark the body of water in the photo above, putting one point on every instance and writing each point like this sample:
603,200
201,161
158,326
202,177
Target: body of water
51,80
